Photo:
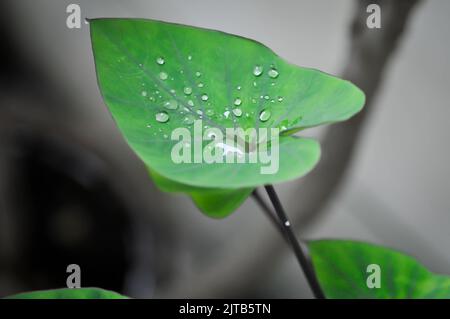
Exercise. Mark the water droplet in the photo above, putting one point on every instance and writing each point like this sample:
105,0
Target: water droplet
280,99
226,114
200,85
238,87
255,84
144,93
190,103
149,126
237,112
204,97
172,91
187,90
237,101
171,104
199,112
188,119
198,74
209,112
162,117
258,70
264,115
266,97
160,60
165,136
273,73
189,57
163,76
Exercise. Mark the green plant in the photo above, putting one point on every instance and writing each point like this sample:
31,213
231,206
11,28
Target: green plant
156,77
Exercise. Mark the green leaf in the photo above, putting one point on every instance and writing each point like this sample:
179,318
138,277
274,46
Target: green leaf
213,202
66,293
156,77
342,270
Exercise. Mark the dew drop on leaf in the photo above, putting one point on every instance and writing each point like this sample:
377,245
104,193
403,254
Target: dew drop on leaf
205,97
144,93
162,117
198,74
280,99
237,112
237,101
190,103
163,76
226,114
273,73
209,112
257,70
187,90
200,85
160,60
188,119
171,105
264,115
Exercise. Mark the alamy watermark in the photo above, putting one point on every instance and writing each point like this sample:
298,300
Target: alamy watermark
227,145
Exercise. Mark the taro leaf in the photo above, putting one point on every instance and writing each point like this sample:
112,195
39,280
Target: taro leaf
342,270
66,293
214,202
156,76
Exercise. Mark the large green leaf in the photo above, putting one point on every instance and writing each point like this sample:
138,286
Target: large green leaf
342,270
66,293
156,76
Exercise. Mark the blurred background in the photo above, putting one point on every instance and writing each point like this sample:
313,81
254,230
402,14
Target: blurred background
72,191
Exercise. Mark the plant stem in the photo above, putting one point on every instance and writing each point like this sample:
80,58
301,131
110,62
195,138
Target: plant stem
268,212
302,258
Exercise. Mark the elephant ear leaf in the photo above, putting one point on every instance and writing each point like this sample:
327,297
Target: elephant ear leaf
66,293
351,269
156,77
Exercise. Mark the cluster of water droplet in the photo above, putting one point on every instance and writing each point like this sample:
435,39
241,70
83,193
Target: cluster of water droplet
186,107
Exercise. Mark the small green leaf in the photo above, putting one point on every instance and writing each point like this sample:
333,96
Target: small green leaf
342,270
66,293
213,202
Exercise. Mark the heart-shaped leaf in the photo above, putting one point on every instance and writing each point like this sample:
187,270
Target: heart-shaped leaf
66,293
351,269
156,77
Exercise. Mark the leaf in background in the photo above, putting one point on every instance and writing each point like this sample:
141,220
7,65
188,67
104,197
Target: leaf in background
156,76
341,268
213,202
66,293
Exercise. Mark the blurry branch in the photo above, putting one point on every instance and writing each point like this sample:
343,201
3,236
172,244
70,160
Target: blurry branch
369,52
